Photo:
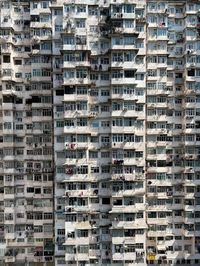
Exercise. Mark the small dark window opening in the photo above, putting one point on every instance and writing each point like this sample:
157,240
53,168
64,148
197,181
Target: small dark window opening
6,59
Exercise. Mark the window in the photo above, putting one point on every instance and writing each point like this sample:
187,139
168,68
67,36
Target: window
82,138
82,91
58,28
6,59
128,8
140,28
92,10
81,9
59,123
105,123
82,233
44,18
162,32
117,74
48,216
19,127
83,249
105,200
95,169
105,169
44,5
82,169
48,228
58,12
105,76
18,75
80,23
93,154
69,74
129,41
38,229
81,73
46,46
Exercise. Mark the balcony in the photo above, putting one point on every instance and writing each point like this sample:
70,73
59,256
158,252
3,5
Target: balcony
124,256
94,253
45,25
74,64
84,193
131,192
70,257
69,209
82,256
188,233
117,81
82,81
137,223
127,208
9,259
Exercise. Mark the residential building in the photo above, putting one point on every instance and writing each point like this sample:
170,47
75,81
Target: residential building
99,135
99,132
172,130
26,135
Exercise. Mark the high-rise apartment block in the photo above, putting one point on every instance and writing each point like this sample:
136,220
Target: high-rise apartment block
99,132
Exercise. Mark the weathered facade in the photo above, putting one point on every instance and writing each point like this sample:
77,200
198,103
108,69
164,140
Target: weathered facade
99,132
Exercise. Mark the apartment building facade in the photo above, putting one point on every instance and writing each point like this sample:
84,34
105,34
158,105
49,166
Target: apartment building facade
100,132
26,137
100,166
